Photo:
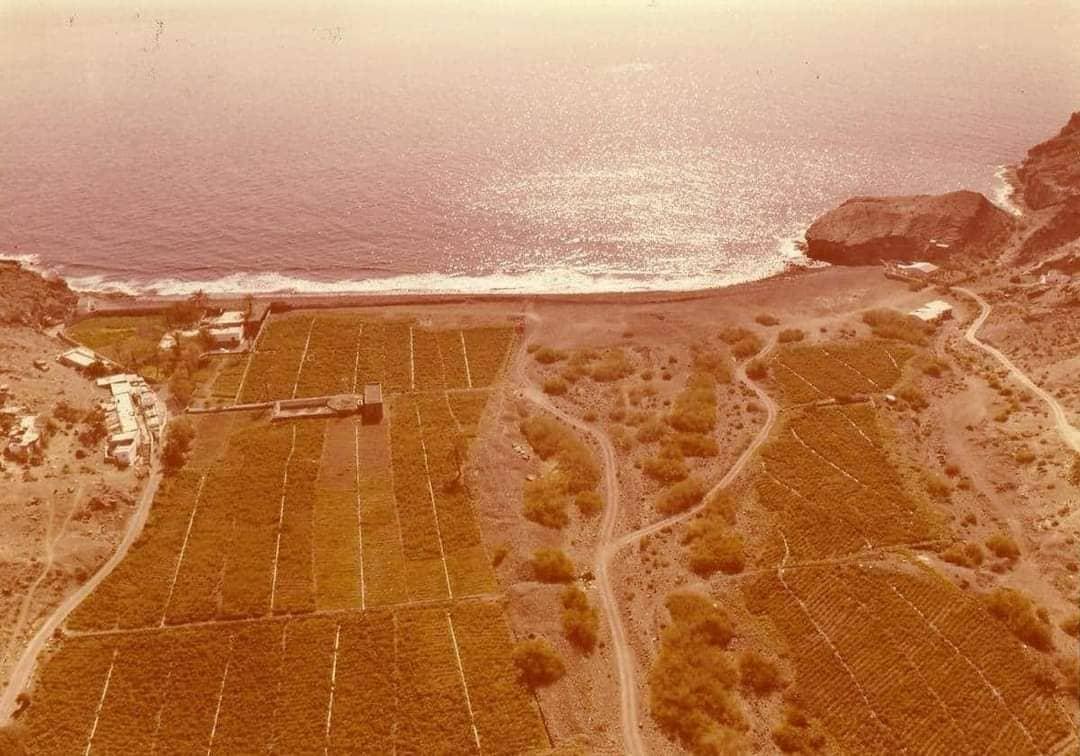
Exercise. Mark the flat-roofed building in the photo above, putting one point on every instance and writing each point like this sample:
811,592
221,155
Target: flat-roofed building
933,312
79,357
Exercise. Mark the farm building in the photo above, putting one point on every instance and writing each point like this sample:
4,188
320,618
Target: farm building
933,312
80,358
372,411
230,336
25,438
906,271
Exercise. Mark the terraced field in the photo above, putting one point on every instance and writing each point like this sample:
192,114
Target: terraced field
307,586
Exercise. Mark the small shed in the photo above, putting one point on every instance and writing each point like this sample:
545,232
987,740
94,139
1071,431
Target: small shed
80,358
372,411
933,312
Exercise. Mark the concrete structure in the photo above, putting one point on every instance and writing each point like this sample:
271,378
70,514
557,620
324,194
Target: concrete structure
80,358
230,336
372,411
933,312
134,416
229,319
913,271
25,438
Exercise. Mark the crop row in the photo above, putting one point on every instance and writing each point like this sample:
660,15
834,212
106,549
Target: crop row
468,407
368,682
881,677
806,373
330,363
486,350
275,362
835,490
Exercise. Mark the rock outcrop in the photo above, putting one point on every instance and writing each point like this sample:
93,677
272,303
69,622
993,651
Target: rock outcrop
867,230
1050,174
27,298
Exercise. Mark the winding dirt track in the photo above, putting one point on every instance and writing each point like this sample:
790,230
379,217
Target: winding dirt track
609,545
1069,434
24,669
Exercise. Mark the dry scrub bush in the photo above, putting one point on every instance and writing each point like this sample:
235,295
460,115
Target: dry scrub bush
589,503
579,620
789,335
1071,625
665,469
537,663
1074,471
747,347
937,486
766,319
552,566
681,496
692,445
556,386
964,555
546,501
1003,546
731,334
714,363
549,438
612,366
691,681
1025,456
695,406
891,324
798,733
757,674
548,356
914,397
650,431
712,545
1018,613
757,370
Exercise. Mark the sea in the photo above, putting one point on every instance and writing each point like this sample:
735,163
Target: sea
485,146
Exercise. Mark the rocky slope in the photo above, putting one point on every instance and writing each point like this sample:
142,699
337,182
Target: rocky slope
1050,174
27,298
866,230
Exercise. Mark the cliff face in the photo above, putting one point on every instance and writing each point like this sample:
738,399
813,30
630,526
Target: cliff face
866,230
29,299
1050,173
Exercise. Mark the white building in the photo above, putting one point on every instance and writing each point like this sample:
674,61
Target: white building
933,312
25,437
80,358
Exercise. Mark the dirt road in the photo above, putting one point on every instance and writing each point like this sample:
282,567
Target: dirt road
1069,434
609,545
22,672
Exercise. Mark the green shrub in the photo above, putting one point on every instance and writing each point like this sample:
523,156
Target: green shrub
747,347
964,555
732,334
589,503
714,363
757,370
695,445
552,566
556,386
650,431
579,620
695,406
1003,546
537,663
1071,625
681,497
546,501
891,324
612,366
665,469
549,356
550,438
711,544
1018,613
766,319
757,674
798,733
789,335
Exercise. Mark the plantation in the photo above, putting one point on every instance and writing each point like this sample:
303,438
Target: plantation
809,373
356,681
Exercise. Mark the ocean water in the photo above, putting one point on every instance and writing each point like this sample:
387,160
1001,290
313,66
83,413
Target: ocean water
496,146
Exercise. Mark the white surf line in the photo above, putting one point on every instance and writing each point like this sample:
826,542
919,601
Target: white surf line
303,358
183,549
464,685
333,682
434,509
465,352
281,518
359,517
412,361
975,668
220,696
829,643
101,703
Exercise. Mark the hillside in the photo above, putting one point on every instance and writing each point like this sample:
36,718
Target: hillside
27,298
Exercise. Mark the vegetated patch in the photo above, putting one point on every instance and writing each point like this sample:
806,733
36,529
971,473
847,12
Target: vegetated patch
889,620
1024,620
789,335
1071,625
893,324
613,365
693,676
665,469
766,319
812,372
714,362
589,503
552,566
757,674
580,619
681,496
798,733
757,369
538,664
1003,546
556,386
548,497
968,555
747,347
694,408
712,544
548,356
